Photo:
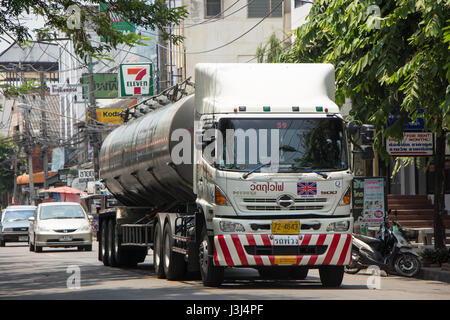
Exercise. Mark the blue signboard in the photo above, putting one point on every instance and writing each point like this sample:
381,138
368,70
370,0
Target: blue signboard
418,125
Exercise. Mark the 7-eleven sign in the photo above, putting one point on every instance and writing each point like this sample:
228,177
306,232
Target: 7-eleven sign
136,79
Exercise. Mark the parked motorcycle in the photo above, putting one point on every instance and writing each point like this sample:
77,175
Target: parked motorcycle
391,251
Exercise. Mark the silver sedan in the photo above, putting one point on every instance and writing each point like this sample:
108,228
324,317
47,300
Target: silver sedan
60,224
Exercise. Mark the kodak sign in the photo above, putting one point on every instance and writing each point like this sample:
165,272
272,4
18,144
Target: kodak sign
136,79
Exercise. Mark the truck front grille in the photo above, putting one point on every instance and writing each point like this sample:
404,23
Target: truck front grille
271,204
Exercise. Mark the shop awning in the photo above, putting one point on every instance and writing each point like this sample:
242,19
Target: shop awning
63,189
38,177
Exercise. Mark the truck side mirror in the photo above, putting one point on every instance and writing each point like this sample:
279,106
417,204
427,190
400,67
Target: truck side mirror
367,152
367,134
353,127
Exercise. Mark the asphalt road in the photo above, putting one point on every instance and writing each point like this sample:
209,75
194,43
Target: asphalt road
66,274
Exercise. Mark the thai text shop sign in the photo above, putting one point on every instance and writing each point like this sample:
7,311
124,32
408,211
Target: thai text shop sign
413,144
369,201
135,80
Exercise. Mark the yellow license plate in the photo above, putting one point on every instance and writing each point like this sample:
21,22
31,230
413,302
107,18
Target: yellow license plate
286,227
279,260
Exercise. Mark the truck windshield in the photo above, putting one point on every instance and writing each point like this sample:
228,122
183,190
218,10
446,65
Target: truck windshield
301,144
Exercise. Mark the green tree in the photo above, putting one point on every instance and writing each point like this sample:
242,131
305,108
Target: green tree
142,13
272,51
6,173
389,56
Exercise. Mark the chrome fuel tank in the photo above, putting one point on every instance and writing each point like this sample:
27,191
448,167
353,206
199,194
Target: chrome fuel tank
136,163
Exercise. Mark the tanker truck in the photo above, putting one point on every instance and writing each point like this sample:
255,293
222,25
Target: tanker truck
251,170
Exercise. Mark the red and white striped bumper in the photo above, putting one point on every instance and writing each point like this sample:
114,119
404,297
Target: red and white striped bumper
230,250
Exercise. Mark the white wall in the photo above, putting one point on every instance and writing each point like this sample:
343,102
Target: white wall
210,35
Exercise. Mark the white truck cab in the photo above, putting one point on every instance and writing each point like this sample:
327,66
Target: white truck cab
272,168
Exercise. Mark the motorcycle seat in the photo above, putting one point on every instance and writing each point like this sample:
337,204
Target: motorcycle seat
373,242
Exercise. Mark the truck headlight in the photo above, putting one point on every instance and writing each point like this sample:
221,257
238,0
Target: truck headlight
340,226
219,197
345,201
227,226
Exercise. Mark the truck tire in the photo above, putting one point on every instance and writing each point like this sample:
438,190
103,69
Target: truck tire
173,262
212,276
331,276
30,245
157,252
104,242
100,244
111,240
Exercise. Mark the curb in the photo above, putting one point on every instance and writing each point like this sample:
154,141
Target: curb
436,274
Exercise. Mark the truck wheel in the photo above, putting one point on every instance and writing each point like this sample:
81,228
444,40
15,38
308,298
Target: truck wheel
31,246
331,276
173,262
104,242
2,243
157,252
100,246
212,276
111,243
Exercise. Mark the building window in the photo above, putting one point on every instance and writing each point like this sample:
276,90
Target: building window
299,3
261,8
213,8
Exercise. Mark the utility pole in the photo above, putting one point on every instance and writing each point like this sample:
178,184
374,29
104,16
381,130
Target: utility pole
29,151
162,63
44,147
93,117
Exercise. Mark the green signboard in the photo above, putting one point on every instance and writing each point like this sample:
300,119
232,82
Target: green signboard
136,79
119,22
106,85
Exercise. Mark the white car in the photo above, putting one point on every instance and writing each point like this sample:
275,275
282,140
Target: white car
60,224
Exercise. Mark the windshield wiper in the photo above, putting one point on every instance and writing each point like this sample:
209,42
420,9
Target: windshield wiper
245,175
324,175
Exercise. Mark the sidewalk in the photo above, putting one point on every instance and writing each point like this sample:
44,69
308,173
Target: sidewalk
435,273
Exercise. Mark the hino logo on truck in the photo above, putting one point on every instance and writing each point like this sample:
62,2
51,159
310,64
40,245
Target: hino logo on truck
266,187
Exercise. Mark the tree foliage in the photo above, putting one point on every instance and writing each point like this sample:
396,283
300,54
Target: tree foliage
6,173
152,15
272,51
392,60
402,64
